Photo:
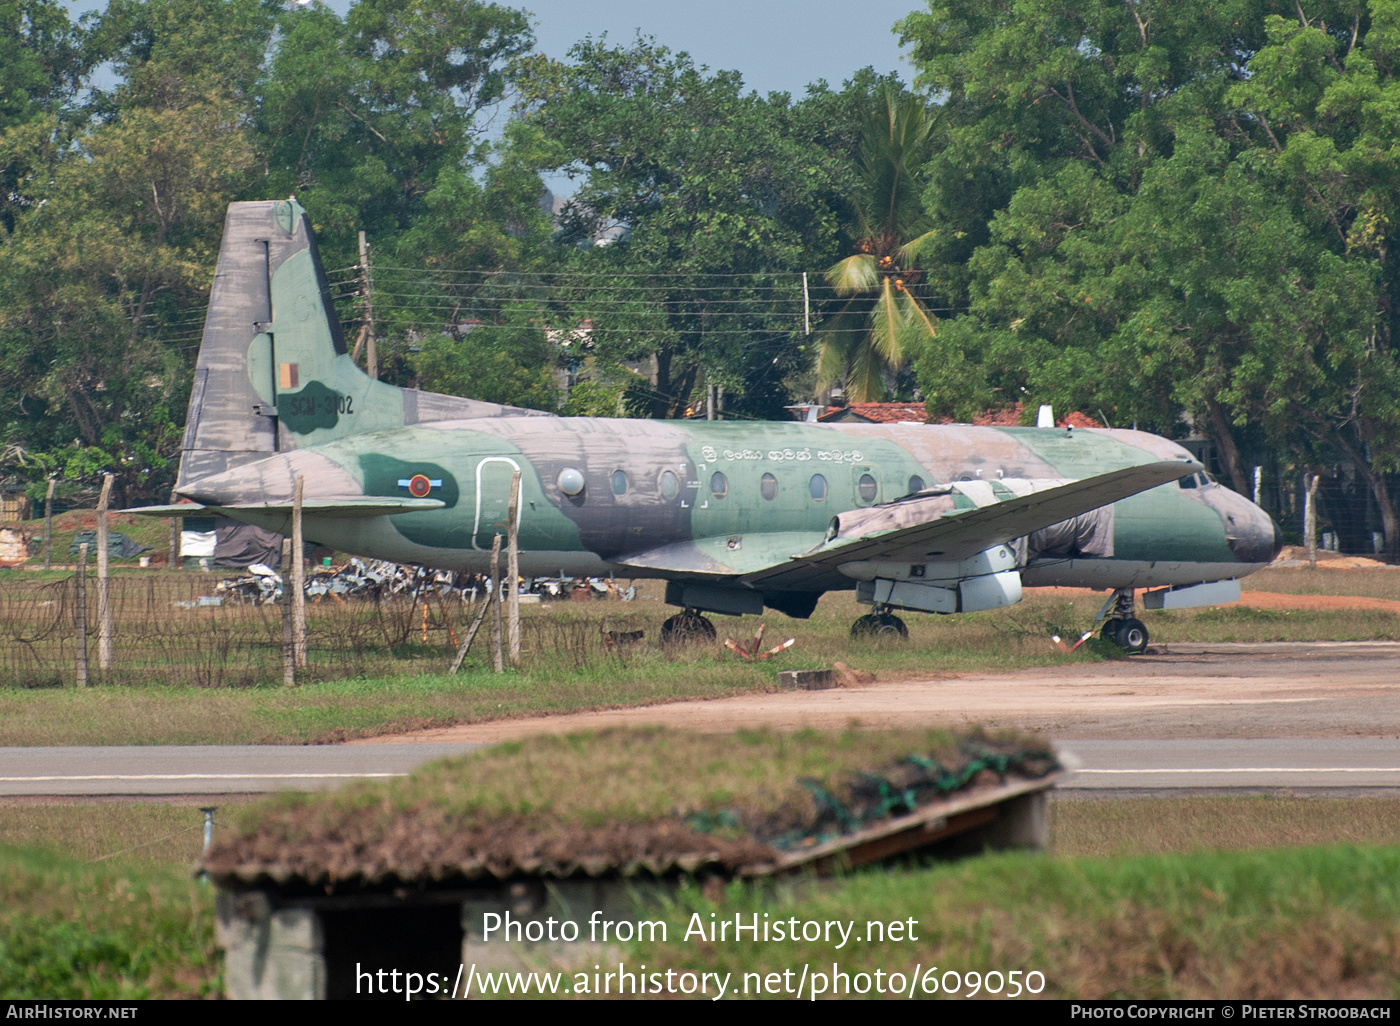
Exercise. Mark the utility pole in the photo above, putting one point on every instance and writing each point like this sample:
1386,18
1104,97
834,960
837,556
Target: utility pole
806,308
104,606
177,527
513,568
366,339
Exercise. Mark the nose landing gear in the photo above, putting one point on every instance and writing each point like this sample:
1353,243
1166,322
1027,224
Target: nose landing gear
1123,628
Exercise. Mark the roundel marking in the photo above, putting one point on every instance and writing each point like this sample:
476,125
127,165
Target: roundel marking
419,486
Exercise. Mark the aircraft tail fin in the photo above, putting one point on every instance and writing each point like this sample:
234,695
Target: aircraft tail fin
273,372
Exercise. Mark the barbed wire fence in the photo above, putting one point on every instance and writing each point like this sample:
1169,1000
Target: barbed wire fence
175,629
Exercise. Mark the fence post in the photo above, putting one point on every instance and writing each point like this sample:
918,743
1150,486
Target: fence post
289,661
80,614
104,607
177,526
497,661
48,526
298,578
513,568
469,637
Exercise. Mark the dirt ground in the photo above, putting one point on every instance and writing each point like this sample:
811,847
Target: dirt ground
1276,689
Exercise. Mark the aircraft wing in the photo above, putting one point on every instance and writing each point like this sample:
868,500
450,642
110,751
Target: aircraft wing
765,561
332,506
961,533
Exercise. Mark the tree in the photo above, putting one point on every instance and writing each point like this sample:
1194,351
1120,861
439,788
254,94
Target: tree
1178,212
866,339
708,199
43,58
108,270
363,118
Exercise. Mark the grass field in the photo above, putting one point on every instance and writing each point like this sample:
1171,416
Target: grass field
1150,897
1284,923
566,667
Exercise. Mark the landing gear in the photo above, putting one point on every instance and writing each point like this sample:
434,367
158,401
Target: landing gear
1123,628
880,626
687,628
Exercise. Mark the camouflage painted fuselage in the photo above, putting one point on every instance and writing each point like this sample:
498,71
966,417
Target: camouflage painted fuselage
1167,535
278,396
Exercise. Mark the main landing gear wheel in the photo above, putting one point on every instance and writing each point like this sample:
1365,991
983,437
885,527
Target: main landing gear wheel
1129,635
879,627
687,628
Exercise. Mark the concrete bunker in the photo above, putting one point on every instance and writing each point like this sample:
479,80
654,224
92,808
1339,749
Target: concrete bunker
425,875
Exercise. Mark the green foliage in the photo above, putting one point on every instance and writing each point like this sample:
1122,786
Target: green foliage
882,318
1174,214
701,192
497,364
1165,210
72,930
363,117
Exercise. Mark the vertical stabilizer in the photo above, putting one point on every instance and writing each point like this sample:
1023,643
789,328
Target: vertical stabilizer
273,372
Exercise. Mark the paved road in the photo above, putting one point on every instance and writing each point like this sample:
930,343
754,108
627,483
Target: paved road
1253,763
211,769
1211,764
1287,715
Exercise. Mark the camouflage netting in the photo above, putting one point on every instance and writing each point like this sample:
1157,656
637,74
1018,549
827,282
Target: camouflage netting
618,803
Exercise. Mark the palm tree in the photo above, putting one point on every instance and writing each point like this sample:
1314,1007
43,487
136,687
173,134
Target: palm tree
868,336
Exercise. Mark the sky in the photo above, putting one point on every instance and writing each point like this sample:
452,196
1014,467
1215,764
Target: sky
777,45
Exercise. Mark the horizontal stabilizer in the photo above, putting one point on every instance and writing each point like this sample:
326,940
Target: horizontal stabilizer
175,509
341,507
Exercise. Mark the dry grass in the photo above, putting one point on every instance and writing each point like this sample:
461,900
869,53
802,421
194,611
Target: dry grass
364,680
754,786
1160,918
171,834
1382,584
1157,826
1285,923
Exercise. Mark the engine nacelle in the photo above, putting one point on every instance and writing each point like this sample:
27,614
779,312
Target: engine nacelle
988,580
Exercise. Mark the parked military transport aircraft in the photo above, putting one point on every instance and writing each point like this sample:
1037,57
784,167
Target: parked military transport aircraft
735,516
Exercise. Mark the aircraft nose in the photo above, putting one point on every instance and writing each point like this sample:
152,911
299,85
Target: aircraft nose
1252,536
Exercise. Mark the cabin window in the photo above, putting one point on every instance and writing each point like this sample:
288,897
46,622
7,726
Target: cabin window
916,484
619,482
817,486
719,485
1187,482
867,488
670,486
768,486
